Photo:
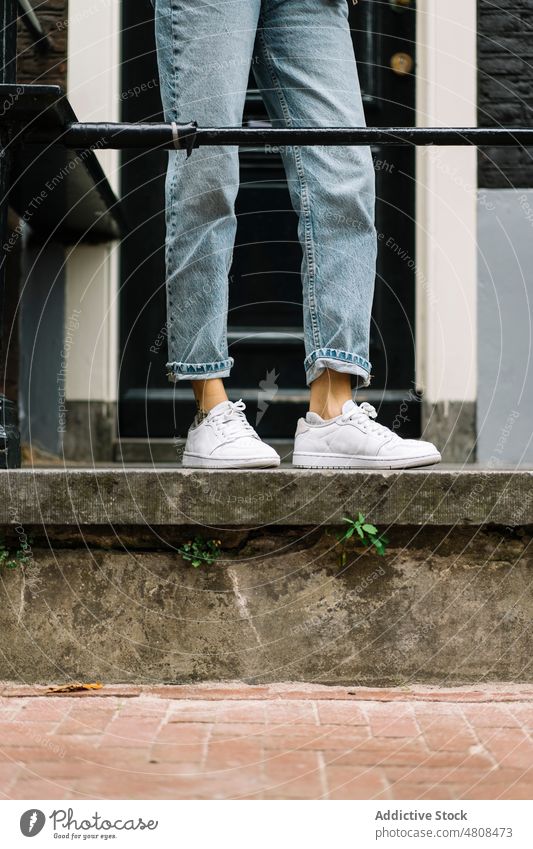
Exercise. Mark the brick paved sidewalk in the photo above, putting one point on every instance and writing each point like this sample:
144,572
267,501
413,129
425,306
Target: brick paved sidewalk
290,741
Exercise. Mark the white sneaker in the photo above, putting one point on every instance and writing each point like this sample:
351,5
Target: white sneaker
354,440
225,440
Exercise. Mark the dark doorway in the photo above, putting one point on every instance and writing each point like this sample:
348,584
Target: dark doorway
266,338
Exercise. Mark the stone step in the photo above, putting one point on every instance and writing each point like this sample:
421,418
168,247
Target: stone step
105,595
284,496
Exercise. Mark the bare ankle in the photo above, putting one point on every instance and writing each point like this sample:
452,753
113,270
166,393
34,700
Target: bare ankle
329,392
208,393
330,410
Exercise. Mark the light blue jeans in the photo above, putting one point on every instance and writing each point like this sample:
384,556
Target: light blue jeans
302,57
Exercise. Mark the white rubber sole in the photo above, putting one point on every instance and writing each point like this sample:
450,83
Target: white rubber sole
347,461
195,461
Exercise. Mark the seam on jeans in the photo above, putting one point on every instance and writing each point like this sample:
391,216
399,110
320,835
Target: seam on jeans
175,54
171,230
170,239
172,193
309,249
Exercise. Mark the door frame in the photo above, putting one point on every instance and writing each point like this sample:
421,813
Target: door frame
446,95
92,271
446,205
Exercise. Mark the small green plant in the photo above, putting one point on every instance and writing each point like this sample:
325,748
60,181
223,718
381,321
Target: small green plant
199,550
359,530
13,560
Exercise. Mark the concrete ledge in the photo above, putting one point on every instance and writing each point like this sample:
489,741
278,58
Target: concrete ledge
444,606
284,497
104,594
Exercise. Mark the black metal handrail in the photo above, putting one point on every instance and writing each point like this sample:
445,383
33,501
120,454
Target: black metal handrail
188,136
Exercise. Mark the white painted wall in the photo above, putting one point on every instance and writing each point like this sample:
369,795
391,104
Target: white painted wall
446,198
92,271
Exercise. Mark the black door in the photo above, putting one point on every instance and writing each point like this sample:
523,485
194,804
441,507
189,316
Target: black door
264,327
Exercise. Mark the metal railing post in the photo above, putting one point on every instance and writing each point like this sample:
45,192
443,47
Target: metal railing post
9,436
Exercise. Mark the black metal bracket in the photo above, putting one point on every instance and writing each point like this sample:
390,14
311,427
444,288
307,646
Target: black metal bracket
85,206
184,136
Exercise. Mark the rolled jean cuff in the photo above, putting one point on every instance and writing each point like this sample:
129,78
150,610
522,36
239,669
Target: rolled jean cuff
198,371
342,361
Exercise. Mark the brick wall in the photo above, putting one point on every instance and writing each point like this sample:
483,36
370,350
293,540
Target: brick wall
505,78
52,67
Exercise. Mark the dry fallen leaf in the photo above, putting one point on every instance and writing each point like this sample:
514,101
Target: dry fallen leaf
75,687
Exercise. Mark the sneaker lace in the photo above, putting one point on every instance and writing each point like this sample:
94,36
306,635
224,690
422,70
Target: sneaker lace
232,422
364,414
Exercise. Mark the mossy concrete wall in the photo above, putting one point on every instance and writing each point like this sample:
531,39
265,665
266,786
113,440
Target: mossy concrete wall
446,605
